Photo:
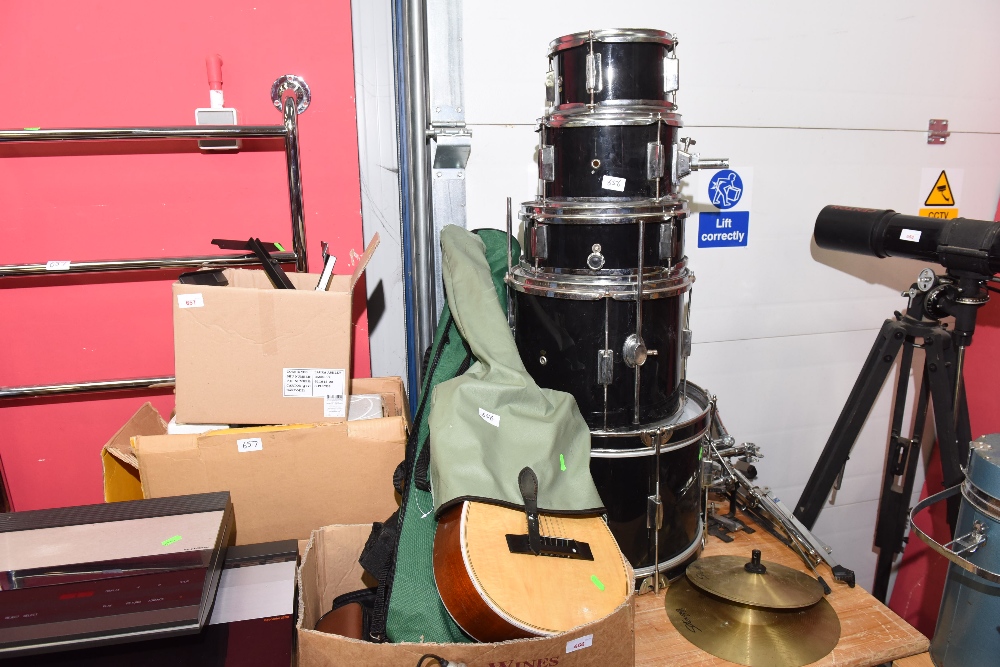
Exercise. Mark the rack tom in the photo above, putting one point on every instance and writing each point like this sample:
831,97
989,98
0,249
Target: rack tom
586,237
614,67
608,154
580,334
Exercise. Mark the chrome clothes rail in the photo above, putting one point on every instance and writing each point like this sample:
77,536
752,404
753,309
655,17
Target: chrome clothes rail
291,95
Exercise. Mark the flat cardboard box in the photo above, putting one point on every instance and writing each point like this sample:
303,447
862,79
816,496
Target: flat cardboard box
247,353
330,567
285,481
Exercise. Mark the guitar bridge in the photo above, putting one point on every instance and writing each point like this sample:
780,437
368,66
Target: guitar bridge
556,547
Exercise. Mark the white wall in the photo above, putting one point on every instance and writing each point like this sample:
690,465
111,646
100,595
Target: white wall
828,103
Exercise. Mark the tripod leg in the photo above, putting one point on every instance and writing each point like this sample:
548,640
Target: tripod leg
940,365
852,419
897,481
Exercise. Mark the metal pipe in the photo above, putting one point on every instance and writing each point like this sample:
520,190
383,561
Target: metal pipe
291,127
134,133
42,390
192,262
418,167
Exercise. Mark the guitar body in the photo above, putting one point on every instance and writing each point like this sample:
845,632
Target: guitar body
496,595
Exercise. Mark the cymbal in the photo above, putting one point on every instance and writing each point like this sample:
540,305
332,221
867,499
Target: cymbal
735,579
748,635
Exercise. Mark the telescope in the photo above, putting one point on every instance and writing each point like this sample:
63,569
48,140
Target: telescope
959,244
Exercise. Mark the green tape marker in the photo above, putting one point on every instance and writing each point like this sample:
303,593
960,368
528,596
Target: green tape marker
597,582
171,540
279,247
562,463
700,451
32,129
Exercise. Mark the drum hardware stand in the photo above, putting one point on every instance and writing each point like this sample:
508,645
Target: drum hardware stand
959,294
271,266
766,509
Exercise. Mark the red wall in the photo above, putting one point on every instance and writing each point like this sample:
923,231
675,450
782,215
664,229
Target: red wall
67,63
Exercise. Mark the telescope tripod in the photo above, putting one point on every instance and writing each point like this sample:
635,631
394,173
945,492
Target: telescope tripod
931,298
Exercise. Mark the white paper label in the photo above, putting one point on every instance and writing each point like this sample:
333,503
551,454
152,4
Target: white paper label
249,445
576,644
334,406
490,418
909,235
57,265
313,382
190,300
613,183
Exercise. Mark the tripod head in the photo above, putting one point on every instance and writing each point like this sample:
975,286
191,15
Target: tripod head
958,294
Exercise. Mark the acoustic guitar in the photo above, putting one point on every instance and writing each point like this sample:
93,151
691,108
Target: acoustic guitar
514,574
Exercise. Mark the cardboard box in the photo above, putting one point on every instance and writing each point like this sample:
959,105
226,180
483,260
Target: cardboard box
251,354
285,481
330,567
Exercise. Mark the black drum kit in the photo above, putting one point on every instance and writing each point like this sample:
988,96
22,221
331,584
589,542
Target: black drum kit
600,298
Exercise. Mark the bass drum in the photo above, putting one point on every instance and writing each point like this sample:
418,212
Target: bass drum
584,237
617,154
635,468
578,334
613,67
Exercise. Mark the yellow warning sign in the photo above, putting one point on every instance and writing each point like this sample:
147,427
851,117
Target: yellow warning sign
940,194
943,213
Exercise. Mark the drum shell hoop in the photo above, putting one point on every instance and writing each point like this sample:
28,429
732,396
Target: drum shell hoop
569,247
585,155
631,73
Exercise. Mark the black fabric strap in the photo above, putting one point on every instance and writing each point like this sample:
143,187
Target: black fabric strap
421,473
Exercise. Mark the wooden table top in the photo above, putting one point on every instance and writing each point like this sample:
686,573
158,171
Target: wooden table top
870,633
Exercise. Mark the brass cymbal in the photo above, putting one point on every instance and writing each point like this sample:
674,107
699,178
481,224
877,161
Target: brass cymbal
775,587
748,635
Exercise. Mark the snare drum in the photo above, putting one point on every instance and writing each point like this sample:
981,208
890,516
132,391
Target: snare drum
586,237
608,154
580,334
613,68
653,500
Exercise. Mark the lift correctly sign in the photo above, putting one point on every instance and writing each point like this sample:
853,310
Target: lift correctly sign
729,193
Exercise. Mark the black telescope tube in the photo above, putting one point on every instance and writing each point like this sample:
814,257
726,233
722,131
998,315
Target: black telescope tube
960,243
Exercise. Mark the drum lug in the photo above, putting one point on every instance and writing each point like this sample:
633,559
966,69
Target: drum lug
540,242
654,512
547,163
655,160
595,82
666,240
605,367
671,74
686,343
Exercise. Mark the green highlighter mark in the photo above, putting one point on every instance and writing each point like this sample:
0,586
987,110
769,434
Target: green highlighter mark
279,247
171,540
32,129
562,463
597,582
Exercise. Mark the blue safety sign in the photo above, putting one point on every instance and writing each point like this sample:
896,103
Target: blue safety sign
725,189
724,229
727,226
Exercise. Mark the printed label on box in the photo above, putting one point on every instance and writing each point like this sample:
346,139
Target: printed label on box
57,265
190,300
577,644
313,382
334,406
249,445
